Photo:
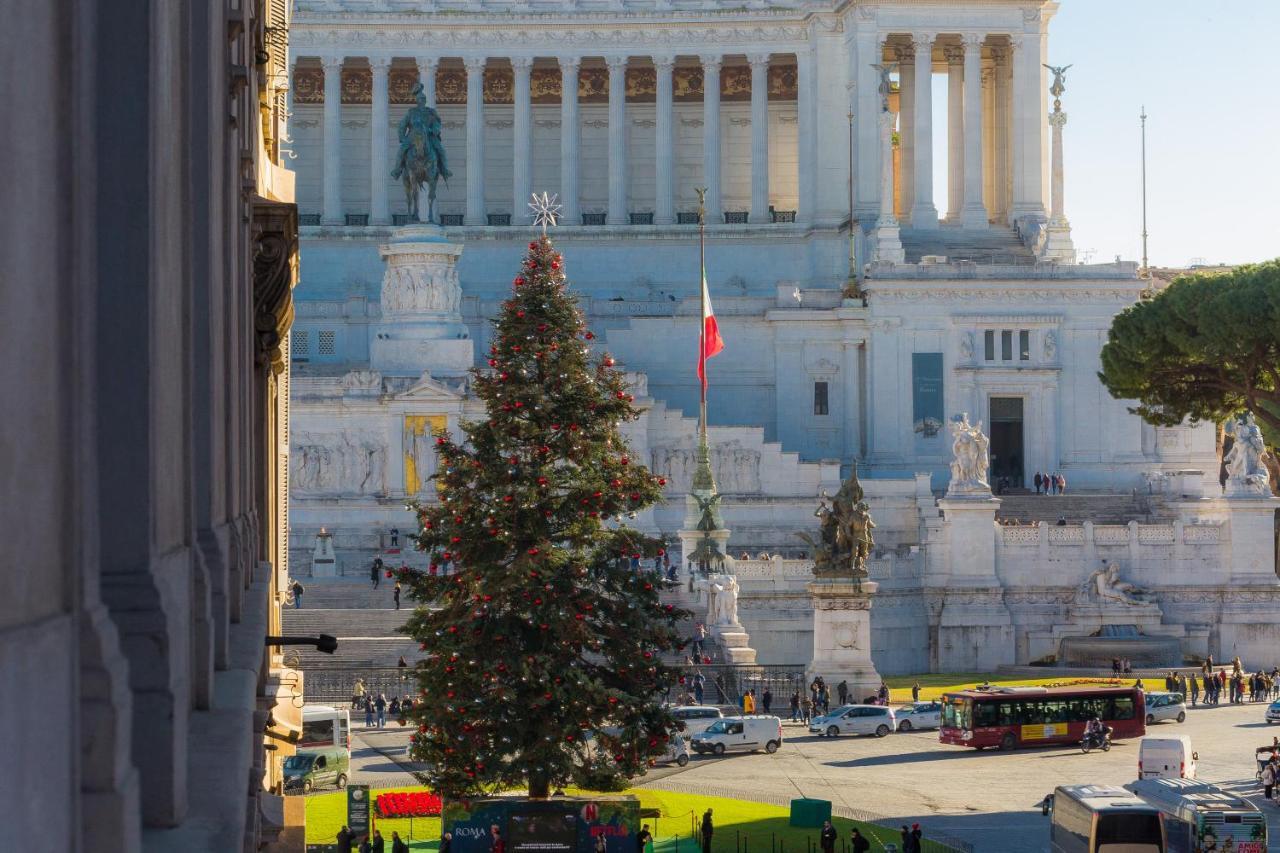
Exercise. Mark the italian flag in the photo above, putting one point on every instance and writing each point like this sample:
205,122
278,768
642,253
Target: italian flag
710,342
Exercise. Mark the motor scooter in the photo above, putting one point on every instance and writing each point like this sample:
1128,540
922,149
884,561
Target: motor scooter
1096,740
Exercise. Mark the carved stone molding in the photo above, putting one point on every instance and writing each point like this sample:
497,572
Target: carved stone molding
275,271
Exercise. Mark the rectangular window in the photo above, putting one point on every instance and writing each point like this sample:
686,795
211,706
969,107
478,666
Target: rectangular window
1006,345
327,342
1024,345
820,406
989,345
301,342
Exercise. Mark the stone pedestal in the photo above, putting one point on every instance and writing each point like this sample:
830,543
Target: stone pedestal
421,328
1253,551
324,563
1057,243
974,626
842,635
735,642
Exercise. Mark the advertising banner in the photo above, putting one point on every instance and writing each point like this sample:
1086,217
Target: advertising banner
558,825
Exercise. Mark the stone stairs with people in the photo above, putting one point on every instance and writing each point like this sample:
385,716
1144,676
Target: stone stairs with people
996,245
1109,508
364,620
680,596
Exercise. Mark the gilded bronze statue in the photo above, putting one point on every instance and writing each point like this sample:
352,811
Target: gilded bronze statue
845,540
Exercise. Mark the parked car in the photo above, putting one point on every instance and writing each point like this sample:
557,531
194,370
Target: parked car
919,715
1166,758
1166,706
309,769
695,719
1273,713
740,734
875,720
677,751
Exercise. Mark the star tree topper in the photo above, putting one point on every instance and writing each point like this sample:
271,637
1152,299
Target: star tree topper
545,210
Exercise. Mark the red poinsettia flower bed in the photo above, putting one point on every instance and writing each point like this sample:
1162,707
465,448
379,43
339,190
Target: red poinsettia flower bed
408,804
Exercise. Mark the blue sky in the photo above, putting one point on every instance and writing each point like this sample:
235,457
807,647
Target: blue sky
1210,78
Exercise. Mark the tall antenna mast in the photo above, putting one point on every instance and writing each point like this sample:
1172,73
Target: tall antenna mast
1146,273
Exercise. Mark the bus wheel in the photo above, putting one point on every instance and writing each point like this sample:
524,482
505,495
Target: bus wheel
1008,743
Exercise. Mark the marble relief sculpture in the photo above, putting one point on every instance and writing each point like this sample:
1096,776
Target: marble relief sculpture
342,463
1105,585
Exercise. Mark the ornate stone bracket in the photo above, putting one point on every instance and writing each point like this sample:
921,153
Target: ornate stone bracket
275,271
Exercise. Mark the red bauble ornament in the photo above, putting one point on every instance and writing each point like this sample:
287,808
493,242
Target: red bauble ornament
533,552
626,460
533,244
518,281
621,395
440,441
590,336
508,498
662,481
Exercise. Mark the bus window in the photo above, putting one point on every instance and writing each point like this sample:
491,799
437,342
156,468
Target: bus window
318,731
1123,708
985,714
1129,828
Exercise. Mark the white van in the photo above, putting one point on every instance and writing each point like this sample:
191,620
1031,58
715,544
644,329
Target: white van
1166,758
325,725
740,734
694,719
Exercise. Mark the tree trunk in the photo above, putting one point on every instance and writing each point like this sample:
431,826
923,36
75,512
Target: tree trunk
539,786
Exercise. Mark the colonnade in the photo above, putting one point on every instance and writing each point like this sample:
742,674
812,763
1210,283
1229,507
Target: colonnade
619,213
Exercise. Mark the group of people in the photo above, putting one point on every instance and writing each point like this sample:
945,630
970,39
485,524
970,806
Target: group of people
1240,687
1050,484
1121,666
369,843
750,705
376,708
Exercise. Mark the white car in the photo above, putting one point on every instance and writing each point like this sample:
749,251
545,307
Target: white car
875,720
919,715
695,719
677,751
1273,713
1165,706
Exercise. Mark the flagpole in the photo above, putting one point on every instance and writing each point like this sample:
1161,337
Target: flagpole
1146,273
702,314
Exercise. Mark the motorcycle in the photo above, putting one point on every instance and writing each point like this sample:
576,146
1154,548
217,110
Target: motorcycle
1096,740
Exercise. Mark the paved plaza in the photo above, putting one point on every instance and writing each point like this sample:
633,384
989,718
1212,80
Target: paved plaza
988,799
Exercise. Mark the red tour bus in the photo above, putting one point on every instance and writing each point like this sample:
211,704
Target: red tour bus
1009,717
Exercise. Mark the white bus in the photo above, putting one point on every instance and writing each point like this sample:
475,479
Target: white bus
325,725
1199,817
1102,819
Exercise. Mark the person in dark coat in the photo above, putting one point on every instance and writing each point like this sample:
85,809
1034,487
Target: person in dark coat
858,843
828,837
344,840
375,572
1038,480
378,845
398,846
766,701
643,837
707,829
446,844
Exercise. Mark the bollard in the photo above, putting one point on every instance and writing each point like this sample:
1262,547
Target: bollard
773,842
737,842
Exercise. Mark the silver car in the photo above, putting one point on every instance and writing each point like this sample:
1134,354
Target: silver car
919,715
1165,706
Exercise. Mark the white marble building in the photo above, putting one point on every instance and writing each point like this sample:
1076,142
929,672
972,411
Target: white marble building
974,303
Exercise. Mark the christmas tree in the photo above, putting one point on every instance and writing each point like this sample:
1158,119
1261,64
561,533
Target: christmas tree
543,663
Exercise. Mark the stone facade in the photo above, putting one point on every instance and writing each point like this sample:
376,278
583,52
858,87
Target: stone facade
150,243
980,310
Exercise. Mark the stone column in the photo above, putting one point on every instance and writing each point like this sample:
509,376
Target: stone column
522,130
475,140
711,135
888,241
923,212
974,212
1028,192
759,137
1000,106
866,129
807,120
332,180
1058,245
988,141
955,130
664,138
379,211
906,56
569,135
427,77
617,140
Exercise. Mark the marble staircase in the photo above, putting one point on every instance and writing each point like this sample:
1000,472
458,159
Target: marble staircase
363,619
998,245
1076,508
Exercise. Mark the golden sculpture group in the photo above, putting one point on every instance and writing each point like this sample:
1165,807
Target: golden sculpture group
845,540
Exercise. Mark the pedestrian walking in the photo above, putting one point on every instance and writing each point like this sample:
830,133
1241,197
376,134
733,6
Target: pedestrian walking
858,843
381,706
915,692
795,705
375,572
446,844
1195,690
707,830
643,837
699,639
806,710
842,690
397,595
297,590
1062,484
378,845
1039,481
398,845
368,712
766,701
1268,779
344,840
827,838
